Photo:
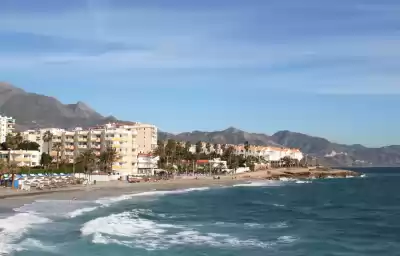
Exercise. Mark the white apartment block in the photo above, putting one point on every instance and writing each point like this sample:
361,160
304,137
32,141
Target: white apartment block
7,125
272,154
123,138
22,158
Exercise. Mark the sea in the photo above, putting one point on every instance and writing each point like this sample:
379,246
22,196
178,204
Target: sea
347,217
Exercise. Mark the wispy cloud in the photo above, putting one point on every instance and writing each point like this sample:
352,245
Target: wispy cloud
313,46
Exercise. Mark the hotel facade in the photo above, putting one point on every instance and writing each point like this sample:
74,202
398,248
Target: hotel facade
269,153
128,140
7,125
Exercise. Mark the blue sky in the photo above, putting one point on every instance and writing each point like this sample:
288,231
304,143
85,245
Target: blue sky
325,68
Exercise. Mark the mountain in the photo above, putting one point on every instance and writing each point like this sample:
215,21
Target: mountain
327,152
33,110
228,136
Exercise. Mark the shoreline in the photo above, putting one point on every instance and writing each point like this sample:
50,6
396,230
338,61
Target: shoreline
14,198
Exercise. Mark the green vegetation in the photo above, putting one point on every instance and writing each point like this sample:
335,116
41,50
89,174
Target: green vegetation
87,161
178,158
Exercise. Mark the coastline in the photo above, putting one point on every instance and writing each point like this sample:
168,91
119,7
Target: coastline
13,198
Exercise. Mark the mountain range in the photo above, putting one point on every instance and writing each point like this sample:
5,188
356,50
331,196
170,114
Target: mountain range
33,110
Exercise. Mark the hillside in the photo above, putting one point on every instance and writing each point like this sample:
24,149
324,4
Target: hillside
327,152
33,110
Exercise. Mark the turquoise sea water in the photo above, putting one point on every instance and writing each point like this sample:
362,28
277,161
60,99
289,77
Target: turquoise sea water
353,216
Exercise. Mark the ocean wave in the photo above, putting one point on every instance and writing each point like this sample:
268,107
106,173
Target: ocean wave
75,208
269,183
110,200
130,230
303,181
14,227
287,239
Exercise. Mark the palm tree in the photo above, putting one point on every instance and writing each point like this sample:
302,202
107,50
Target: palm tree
57,146
216,148
223,148
48,137
208,147
88,160
246,148
108,157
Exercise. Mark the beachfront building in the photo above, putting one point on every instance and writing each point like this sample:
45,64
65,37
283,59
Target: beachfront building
147,164
146,137
7,125
21,158
123,137
268,153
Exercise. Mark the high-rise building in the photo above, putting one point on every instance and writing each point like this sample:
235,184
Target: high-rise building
124,138
146,137
7,125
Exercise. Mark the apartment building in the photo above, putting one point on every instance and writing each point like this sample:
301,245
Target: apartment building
122,137
22,158
146,137
266,152
7,125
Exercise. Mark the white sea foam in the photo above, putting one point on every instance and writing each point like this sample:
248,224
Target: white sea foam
303,181
110,200
287,239
268,183
363,176
81,211
278,225
130,230
14,227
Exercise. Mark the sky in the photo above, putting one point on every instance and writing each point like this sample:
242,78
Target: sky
324,68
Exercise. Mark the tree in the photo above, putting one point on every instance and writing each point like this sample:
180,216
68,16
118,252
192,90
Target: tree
48,137
57,146
88,160
107,158
12,141
199,147
45,159
246,148
223,148
170,150
216,148
28,145
288,161
188,145
208,147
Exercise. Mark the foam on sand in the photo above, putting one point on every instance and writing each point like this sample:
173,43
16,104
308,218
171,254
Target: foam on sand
129,229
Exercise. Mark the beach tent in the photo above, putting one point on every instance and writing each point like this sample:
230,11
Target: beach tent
32,175
24,175
17,180
62,174
40,175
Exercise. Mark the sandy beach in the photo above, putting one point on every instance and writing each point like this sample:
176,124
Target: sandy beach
10,198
